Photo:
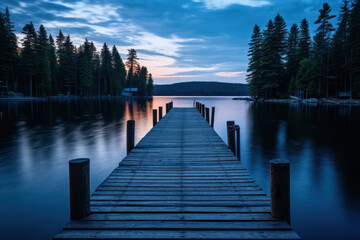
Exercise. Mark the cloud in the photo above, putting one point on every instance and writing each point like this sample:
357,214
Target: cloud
222,4
151,42
92,13
230,74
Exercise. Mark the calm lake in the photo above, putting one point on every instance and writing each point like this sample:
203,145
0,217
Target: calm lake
38,138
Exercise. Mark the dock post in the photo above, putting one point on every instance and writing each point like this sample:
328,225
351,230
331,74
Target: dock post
197,106
237,127
130,135
212,116
167,107
280,189
203,110
160,113
207,115
154,117
200,108
79,179
231,135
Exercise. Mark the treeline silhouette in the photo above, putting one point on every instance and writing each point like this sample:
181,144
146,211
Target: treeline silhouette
45,66
201,89
284,63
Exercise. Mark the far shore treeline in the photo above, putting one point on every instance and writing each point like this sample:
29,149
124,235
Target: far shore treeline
44,66
286,63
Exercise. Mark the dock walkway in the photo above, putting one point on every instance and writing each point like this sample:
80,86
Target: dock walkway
179,182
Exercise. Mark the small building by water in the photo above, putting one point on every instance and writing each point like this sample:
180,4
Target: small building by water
129,92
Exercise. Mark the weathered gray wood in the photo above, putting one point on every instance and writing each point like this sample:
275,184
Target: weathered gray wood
154,117
130,135
280,189
207,115
160,113
180,182
79,175
230,135
212,116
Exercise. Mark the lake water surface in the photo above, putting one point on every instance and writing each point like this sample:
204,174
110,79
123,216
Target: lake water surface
38,138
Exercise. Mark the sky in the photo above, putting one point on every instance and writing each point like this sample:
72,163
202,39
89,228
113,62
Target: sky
177,40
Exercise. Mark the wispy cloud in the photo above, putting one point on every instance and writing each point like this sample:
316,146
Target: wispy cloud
221,4
92,13
230,74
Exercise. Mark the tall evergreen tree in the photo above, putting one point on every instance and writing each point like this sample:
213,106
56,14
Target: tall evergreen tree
85,69
354,43
150,85
322,43
28,53
280,44
118,72
43,63
292,57
8,50
269,76
142,81
340,48
304,40
54,69
132,65
68,66
106,69
254,76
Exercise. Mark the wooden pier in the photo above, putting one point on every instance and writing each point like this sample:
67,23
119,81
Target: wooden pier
179,182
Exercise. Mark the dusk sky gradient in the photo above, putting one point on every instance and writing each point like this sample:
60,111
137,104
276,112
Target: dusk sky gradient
178,40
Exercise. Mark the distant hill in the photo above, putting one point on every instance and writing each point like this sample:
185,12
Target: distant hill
201,89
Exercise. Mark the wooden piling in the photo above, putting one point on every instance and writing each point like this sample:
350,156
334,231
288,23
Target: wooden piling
237,127
231,135
160,113
203,110
212,116
130,135
79,176
207,115
154,117
280,189
167,107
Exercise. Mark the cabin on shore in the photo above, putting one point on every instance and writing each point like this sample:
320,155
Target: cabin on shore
129,92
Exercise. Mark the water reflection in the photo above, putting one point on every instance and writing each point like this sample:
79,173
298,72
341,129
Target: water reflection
38,138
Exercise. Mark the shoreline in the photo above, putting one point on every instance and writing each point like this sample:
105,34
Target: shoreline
331,101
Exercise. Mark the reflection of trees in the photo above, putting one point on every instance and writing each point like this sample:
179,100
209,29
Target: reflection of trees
329,132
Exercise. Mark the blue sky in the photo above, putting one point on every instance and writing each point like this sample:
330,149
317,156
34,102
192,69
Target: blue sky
178,40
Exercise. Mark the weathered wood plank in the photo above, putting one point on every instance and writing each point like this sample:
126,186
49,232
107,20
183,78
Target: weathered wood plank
179,182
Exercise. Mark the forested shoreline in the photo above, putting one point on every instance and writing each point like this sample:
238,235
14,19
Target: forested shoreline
283,63
44,66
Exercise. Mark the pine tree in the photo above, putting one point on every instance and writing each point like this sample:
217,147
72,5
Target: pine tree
142,81
304,40
280,34
340,48
85,69
150,85
28,53
106,69
292,57
322,43
132,65
254,77
118,73
54,68
8,50
307,77
68,66
267,69
60,39
43,63
354,43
